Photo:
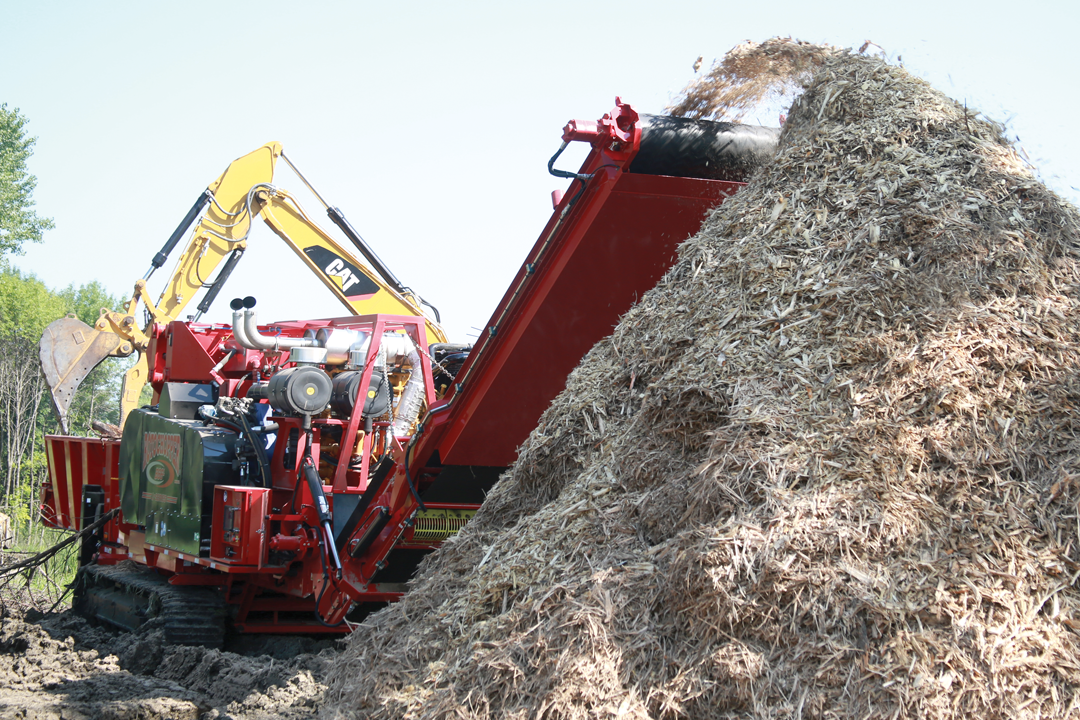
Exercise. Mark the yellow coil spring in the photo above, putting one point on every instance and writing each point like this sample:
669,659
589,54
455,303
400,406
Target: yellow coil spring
435,525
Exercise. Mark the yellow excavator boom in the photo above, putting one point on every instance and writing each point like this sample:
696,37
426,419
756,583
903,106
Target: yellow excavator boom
225,211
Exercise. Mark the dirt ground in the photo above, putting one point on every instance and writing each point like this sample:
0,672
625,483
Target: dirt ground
60,666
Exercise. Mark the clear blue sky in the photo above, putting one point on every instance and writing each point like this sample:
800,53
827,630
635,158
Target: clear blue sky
429,124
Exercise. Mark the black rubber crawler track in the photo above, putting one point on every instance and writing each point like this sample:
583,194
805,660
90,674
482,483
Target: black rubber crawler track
128,595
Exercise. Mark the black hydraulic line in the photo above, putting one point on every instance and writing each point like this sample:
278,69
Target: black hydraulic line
338,219
194,212
260,452
315,485
322,507
212,293
438,317
221,422
565,173
318,600
408,479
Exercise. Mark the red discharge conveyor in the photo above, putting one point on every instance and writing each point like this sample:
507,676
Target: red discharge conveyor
611,238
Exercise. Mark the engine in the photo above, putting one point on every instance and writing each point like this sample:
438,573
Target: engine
281,425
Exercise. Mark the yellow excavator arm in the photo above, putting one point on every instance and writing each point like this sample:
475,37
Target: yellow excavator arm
70,349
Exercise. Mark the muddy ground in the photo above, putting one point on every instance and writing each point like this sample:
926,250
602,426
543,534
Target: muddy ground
59,665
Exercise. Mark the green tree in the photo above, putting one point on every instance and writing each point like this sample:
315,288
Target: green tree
26,307
19,224
87,301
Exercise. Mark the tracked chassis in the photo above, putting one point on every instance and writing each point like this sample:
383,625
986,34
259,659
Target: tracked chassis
128,596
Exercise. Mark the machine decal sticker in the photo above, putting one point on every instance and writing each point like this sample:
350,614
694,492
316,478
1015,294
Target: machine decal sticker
161,458
354,282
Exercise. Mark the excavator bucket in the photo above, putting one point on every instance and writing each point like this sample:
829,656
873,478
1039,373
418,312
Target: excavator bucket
69,350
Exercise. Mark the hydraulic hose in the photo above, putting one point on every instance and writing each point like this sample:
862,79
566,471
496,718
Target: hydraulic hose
260,451
322,508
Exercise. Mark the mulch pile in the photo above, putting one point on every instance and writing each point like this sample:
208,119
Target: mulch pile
827,468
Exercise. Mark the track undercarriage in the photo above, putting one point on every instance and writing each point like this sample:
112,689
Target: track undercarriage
129,596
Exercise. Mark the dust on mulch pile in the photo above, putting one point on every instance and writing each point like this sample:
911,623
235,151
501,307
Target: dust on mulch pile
750,75
828,467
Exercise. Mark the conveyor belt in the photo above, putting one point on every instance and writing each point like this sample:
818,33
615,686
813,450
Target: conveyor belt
680,147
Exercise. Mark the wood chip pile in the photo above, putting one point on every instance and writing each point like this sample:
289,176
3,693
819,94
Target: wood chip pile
827,468
749,75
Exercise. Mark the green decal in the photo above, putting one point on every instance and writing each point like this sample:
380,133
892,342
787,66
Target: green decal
161,466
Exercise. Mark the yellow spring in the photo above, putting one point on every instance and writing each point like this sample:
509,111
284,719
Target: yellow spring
435,525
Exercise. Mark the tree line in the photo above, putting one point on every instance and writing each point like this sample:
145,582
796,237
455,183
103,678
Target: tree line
27,306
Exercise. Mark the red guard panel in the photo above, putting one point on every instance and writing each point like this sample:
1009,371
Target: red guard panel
614,245
187,357
239,522
73,463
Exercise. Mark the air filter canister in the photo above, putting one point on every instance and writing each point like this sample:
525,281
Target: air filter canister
346,391
300,391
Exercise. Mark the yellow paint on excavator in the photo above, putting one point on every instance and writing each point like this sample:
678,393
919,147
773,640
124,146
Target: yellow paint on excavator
239,195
